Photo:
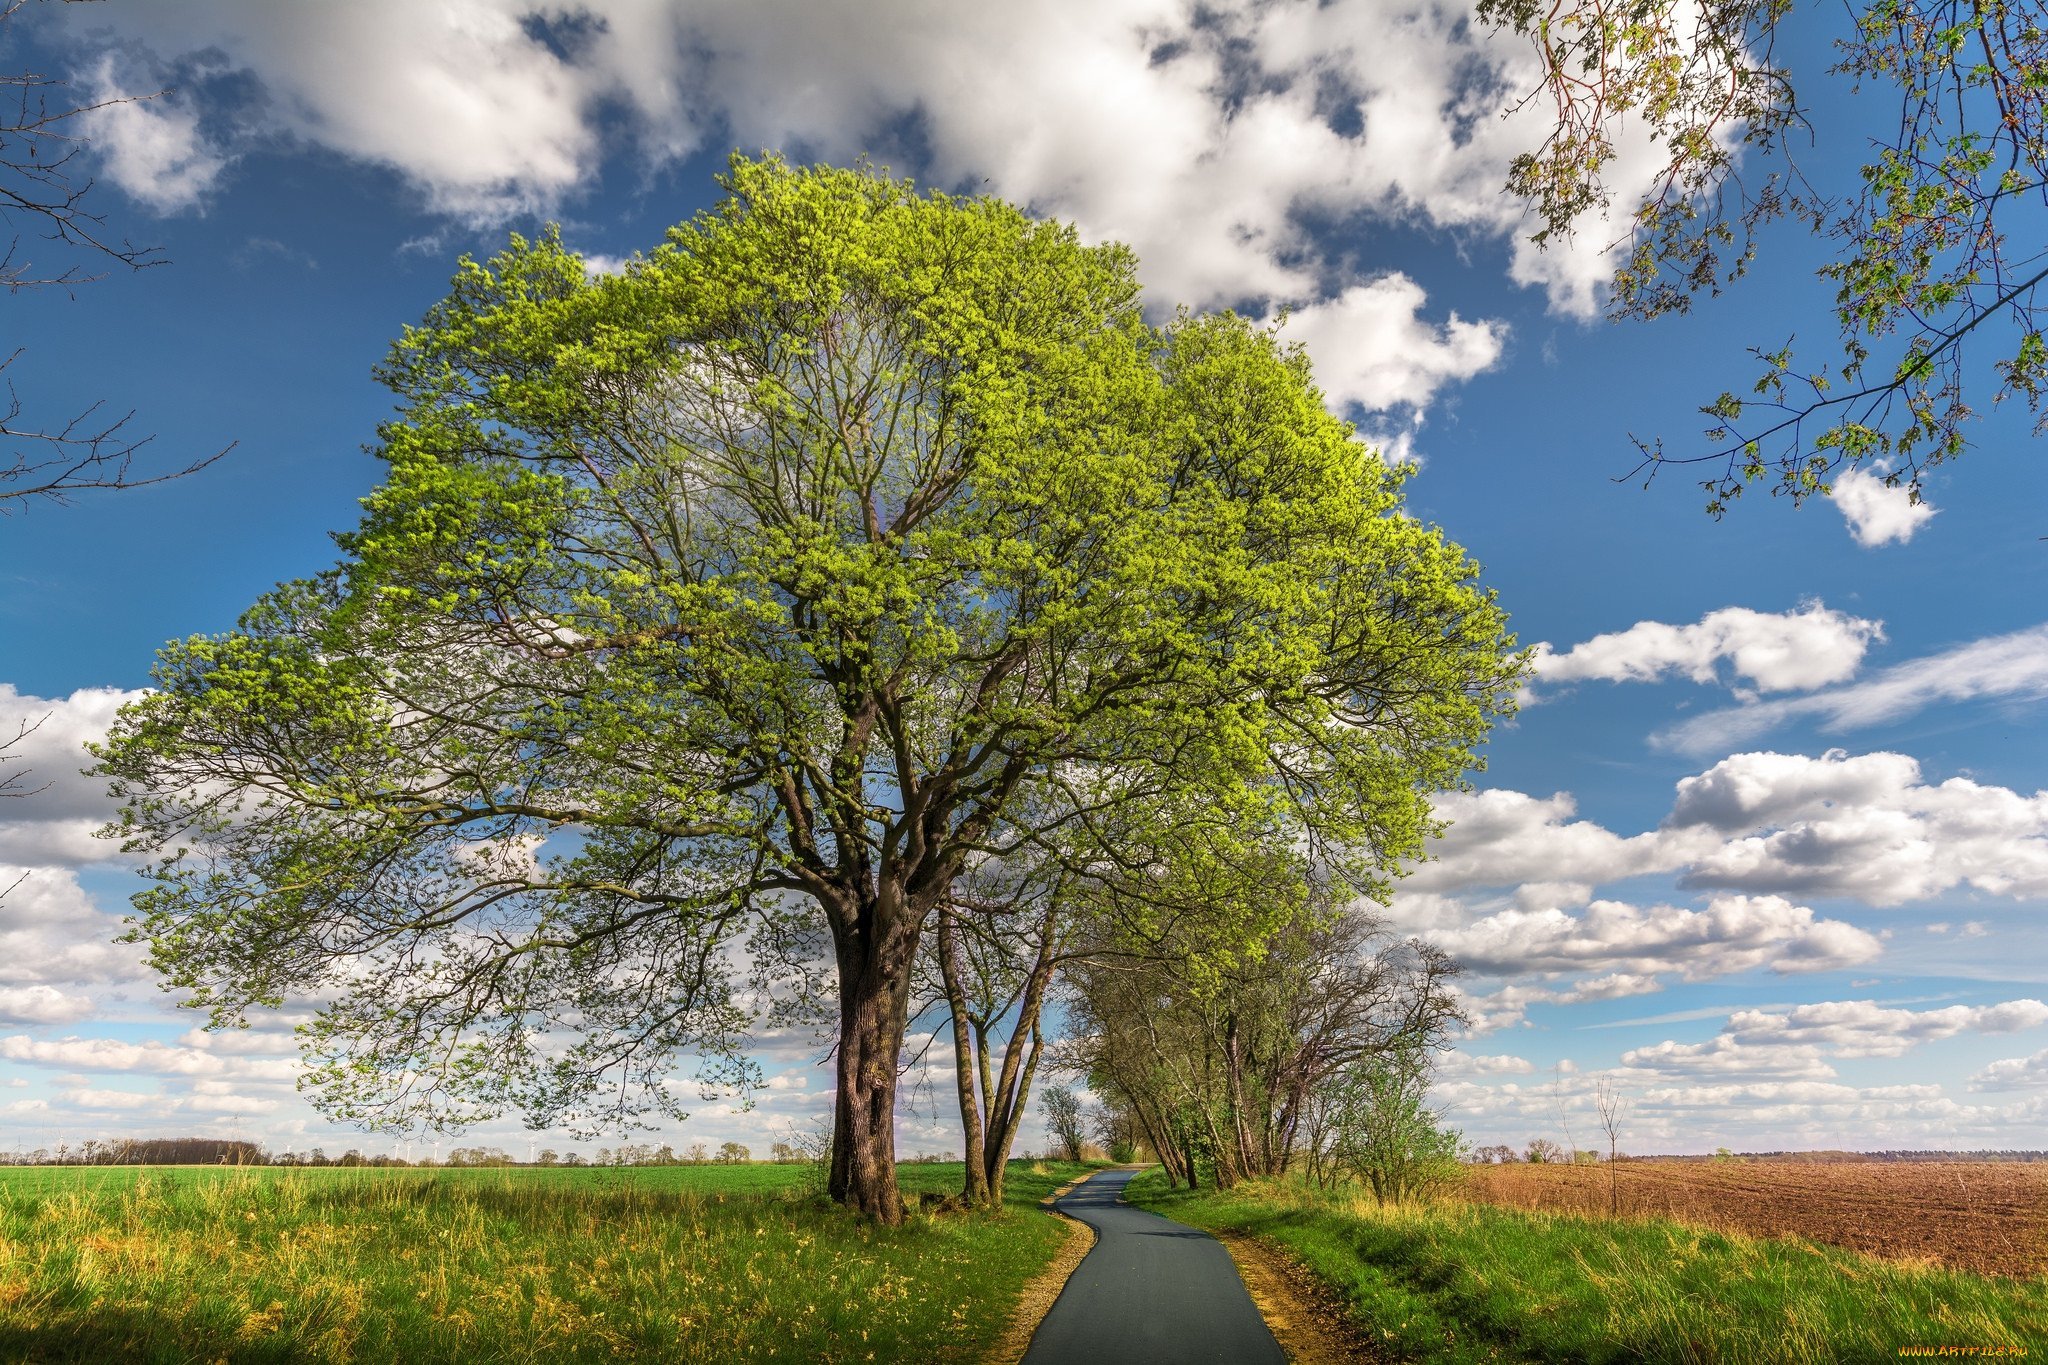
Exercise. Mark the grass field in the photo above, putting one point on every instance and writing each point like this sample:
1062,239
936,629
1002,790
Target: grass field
1987,1216
703,1263
1465,1282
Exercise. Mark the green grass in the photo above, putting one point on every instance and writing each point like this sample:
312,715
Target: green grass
1455,1282
707,1263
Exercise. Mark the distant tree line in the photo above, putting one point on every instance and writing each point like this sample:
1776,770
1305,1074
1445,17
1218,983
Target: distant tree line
185,1151
198,1151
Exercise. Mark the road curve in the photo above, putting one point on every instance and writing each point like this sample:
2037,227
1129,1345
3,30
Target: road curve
1152,1292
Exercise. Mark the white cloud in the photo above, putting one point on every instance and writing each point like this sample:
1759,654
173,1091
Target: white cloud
1723,1055
1508,1007
1772,651
150,1058
1795,1042
1878,515
52,934
2013,1073
52,824
153,147
1372,348
1732,934
1863,1028
83,1097
42,1005
1863,826
1470,1064
2011,666
1500,837
1209,137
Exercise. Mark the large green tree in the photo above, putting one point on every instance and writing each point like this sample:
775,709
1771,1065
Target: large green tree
851,535
1937,265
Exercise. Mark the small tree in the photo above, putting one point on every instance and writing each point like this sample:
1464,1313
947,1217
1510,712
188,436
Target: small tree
1063,1120
1611,1105
1116,1128
1542,1152
732,1154
1385,1133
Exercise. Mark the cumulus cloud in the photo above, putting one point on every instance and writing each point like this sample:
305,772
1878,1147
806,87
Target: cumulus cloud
1217,139
149,1058
2013,666
2013,1073
1865,826
1508,1007
1472,1064
1794,1042
1373,349
1863,1028
1732,934
153,147
53,824
1876,514
1756,1112
42,1005
52,934
1500,837
1771,651
1723,1055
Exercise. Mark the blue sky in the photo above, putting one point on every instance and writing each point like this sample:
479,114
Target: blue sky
1767,846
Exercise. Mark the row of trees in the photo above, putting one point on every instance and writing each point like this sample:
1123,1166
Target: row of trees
1302,1050
200,1151
187,1151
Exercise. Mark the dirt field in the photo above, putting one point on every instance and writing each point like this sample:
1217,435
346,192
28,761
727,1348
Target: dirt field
1985,1216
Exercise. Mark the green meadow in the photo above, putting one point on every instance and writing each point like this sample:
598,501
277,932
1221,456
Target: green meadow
683,1263
1458,1282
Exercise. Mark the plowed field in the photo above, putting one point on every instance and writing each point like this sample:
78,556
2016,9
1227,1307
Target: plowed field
1986,1216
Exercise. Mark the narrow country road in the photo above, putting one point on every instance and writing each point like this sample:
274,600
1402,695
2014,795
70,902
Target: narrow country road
1152,1292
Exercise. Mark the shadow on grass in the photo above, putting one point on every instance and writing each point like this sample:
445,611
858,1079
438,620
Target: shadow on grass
127,1337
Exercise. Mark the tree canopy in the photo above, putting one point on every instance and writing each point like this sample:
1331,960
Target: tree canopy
1939,262
714,615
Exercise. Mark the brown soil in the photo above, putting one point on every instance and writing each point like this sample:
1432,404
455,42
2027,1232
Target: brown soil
1308,1317
1037,1299
1986,1216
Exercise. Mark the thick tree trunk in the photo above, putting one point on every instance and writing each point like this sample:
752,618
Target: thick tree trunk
874,997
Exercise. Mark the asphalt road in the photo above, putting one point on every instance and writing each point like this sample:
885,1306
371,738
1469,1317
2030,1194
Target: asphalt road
1151,1292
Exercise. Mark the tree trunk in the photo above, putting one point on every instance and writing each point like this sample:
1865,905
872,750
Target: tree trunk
1009,1099
874,997
975,1189
991,1115
1002,1135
